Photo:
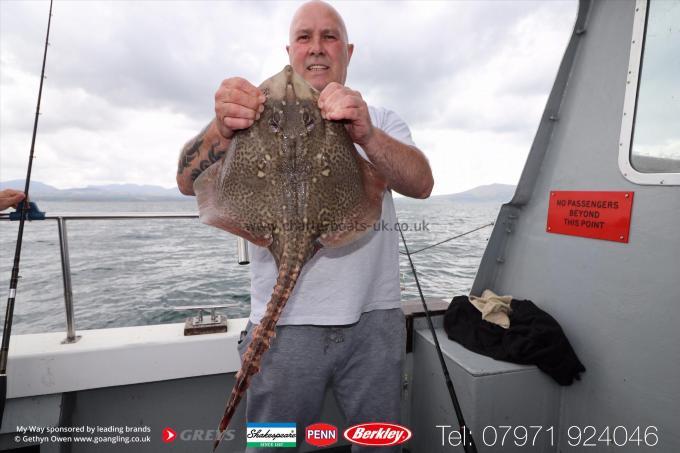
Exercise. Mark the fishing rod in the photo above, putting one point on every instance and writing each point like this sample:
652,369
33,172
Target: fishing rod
468,442
25,207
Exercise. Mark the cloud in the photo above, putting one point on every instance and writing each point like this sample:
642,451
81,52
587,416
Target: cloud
129,82
465,159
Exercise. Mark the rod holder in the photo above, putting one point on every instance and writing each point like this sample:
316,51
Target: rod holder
242,247
71,336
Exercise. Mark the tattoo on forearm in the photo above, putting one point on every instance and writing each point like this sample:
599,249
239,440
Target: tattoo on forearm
214,155
191,150
188,154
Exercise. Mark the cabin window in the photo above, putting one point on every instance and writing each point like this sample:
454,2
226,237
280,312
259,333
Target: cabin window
650,138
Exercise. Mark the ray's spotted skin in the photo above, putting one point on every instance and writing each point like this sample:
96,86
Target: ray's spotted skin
292,182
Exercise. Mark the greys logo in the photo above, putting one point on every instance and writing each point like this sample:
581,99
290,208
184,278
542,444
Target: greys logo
206,434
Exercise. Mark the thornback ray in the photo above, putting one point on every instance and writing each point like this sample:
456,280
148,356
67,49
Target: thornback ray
292,182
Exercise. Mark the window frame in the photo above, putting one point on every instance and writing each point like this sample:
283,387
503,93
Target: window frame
629,113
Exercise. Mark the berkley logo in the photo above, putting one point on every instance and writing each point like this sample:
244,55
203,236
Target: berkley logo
377,434
321,434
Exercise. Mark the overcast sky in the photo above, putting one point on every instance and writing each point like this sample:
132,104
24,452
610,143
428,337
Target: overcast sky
128,83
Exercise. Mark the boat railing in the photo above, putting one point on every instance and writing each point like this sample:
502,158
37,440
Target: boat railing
61,219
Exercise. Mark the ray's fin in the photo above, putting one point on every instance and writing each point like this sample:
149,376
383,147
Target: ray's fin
212,212
366,213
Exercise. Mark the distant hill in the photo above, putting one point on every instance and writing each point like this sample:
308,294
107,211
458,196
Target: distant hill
111,192
498,193
492,193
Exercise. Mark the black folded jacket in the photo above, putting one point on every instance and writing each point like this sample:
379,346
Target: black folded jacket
533,338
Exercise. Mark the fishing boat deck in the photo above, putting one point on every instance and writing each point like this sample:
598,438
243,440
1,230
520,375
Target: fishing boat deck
42,364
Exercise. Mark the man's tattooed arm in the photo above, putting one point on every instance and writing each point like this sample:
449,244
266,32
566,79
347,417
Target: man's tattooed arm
213,156
198,154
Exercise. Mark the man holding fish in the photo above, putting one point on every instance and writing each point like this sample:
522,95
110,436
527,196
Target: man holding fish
342,326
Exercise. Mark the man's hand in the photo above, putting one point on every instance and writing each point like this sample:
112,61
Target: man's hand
238,104
404,167
10,197
337,102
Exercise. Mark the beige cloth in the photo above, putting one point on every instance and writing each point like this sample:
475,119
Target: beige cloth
494,308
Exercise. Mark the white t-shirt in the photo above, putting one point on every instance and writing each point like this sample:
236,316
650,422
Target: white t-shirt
337,285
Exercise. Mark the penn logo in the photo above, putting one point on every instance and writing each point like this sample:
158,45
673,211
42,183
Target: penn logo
377,434
321,434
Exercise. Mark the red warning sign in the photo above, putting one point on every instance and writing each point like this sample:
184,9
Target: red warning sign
596,215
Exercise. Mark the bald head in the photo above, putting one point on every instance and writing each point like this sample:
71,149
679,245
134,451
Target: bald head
318,48
316,7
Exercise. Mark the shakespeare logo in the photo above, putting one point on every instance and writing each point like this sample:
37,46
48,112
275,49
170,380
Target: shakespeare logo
263,435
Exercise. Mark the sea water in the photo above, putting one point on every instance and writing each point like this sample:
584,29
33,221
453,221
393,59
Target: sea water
133,272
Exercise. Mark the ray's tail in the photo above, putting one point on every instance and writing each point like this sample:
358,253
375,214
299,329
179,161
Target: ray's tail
262,337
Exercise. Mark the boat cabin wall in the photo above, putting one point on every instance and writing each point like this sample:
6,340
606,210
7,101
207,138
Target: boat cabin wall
617,302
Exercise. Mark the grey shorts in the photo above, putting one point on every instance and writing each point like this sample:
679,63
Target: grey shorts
361,362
